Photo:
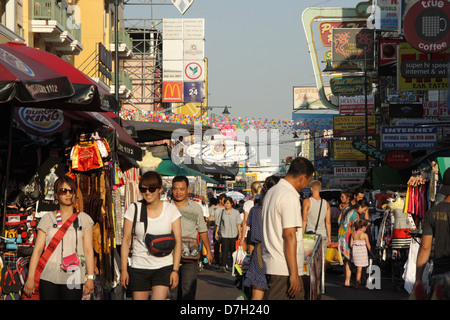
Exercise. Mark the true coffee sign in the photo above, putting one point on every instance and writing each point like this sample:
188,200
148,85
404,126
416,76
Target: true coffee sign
426,25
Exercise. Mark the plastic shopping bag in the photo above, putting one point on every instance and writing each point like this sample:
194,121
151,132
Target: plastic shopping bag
238,257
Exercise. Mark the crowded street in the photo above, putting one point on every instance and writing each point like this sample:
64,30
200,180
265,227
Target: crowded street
212,152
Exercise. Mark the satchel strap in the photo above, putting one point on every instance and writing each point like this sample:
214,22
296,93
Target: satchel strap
52,246
318,216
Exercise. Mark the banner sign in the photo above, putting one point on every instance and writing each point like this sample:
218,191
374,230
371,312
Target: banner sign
344,151
347,126
308,98
350,46
356,104
407,56
350,85
408,138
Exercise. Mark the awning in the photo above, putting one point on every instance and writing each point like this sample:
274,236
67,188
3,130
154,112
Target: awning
168,168
156,131
45,123
213,171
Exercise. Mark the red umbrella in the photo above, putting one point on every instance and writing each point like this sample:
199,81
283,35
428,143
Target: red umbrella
35,78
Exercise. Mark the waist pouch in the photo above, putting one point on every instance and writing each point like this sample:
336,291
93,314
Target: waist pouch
160,245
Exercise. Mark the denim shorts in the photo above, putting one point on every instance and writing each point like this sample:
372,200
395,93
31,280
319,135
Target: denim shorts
145,279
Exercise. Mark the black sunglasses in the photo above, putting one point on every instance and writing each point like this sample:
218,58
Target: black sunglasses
151,189
64,191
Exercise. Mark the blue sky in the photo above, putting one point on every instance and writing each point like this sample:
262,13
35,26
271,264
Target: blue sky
257,51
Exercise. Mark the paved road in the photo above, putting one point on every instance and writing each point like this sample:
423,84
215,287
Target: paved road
213,285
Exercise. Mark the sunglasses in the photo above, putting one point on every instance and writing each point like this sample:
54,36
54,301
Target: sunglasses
64,191
151,189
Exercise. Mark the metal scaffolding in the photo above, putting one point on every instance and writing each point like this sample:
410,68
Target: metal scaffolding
145,68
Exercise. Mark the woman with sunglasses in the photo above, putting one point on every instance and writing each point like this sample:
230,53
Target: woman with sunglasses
57,282
147,271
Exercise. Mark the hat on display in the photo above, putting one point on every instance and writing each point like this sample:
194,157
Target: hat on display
445,189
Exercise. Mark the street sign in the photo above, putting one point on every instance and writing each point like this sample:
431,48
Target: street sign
398,159
368,149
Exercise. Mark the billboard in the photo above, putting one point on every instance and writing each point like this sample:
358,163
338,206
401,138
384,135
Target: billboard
308,98
183,60
350,126
421,71
351,46
356,104
408,138
344,151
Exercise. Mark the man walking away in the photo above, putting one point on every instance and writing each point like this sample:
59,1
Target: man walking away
283,252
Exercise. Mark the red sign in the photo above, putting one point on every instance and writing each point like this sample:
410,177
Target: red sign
427,25
172,91
398,159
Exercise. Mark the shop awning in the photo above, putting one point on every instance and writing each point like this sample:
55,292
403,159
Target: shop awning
156,131
213,171
43,124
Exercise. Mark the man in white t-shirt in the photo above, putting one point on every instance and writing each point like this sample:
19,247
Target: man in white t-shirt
283,251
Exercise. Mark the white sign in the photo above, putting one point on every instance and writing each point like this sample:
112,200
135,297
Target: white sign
172,29
173,50
172,70
356,104
194,29
194,71
194,49
349,171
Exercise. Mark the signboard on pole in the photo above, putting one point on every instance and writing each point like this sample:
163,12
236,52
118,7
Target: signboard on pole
408,138
349,171
183,59
350,85
356,104
344,151
350,47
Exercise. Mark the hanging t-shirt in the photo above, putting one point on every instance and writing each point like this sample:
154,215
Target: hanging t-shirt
49,172
160,225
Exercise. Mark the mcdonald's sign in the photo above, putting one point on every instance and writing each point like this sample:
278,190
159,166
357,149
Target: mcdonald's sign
172,91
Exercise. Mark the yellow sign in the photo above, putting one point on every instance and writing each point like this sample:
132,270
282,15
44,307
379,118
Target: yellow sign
344,151
407,52
346,126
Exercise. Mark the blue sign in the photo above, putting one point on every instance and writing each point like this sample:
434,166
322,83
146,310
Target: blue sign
408,138
194,92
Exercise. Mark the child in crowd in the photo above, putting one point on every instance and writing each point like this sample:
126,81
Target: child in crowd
360,244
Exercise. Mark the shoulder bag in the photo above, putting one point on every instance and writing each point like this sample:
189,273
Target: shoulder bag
52,246
318,218
159,245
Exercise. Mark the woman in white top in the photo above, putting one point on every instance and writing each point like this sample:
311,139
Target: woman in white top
148,272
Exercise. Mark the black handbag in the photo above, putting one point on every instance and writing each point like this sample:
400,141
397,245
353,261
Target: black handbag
160,245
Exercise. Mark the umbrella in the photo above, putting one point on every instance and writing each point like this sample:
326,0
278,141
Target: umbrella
36,78
235,195
169,168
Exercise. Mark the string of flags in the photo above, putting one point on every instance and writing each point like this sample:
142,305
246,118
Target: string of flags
228,122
